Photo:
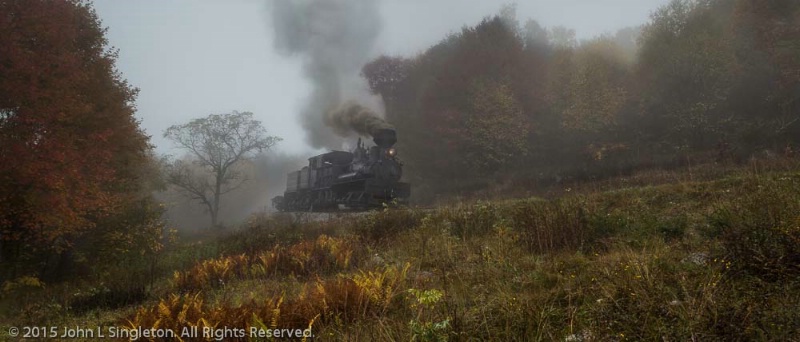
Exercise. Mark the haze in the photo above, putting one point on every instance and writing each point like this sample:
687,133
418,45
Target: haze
193,58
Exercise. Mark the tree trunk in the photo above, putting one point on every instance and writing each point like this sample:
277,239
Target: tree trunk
213,218
215,210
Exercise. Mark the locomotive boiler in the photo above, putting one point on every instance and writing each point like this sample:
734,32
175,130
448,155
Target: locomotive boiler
367,177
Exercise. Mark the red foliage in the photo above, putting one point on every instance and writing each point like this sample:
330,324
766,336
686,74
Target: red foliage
67,131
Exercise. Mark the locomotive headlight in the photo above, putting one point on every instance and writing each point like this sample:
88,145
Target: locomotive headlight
392,152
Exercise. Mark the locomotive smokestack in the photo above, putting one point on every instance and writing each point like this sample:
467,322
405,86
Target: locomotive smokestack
384,137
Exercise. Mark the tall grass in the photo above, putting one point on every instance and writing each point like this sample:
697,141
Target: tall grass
693,260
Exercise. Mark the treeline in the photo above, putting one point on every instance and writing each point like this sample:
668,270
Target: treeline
713,78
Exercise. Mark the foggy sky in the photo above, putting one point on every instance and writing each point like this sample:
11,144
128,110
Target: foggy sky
334,39
191,58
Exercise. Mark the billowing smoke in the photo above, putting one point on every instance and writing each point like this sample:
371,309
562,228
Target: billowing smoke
354,118
335,39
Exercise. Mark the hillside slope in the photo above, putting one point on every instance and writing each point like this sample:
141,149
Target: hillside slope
708,260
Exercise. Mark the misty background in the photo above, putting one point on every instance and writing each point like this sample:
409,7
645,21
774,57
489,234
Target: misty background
194,58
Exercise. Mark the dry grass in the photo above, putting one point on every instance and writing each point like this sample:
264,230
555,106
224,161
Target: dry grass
692,260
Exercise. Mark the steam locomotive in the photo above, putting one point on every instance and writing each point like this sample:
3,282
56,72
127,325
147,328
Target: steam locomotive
368,177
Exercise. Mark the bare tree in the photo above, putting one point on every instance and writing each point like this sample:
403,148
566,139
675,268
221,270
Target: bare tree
215,145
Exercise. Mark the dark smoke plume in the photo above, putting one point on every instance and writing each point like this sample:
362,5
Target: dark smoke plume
334,38
352,117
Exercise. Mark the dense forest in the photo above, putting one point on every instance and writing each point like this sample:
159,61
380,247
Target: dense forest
505,101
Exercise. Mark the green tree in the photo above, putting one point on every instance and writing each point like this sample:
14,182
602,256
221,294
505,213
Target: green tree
535,35
216,144
385,76
596,90
767,43
464,107
712,71
684,75
562,37
496,129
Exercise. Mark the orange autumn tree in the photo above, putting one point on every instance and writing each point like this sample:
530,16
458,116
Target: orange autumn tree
70,147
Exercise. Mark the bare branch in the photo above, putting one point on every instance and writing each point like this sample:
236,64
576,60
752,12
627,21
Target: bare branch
217,143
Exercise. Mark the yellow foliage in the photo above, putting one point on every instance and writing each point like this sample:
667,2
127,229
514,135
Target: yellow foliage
496,130
178,311
341,297
173,312
345,298
382,287
304,258
22,282
15,288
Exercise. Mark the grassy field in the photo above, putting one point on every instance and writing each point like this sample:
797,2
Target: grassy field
701,255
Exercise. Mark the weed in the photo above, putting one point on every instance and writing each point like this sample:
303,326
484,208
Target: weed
422,327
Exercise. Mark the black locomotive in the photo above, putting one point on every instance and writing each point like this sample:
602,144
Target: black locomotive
368,177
